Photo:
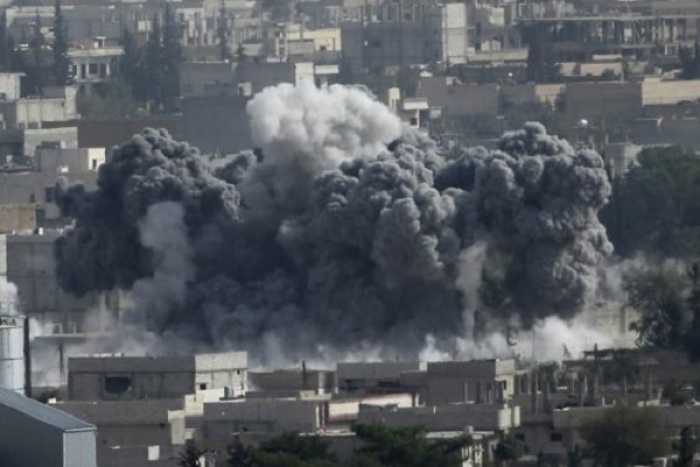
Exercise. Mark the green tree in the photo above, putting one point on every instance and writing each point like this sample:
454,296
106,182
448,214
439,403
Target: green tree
675,394
286,450
690,61
6,45
509,449
625,436
405,447
541,64
61,63
655,208
239,454
686,448
130,65
190,455
575,457
382,447
35,78
153,67
659,294
110,100
171,59
222,34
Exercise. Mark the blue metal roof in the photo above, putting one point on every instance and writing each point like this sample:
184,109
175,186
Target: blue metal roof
42,412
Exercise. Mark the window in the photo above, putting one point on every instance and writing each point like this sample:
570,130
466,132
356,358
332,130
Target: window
49,194
93,164
103,70
556,437
202,386
92,68
116,385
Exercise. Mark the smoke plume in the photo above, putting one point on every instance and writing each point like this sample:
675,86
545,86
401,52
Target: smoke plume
9,300
341,229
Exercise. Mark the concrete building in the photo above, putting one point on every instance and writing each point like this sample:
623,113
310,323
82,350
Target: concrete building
252,76
17,217
403,33
413,111
566,423
452,99
479,381
138,431
221,419
29,262
599,102
62,161
374,376
134,378
34,434
641,37
279,37
270,382
209,123
111,132
33,181
95,63
453,417
10,85
57,105
195,77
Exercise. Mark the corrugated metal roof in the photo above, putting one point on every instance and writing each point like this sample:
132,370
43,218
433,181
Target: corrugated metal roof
42,412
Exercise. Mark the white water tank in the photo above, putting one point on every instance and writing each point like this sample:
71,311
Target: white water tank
12,352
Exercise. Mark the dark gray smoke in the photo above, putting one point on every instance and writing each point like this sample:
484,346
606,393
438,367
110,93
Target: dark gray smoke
342,229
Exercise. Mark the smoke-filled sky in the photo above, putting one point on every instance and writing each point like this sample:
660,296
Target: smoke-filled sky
343,228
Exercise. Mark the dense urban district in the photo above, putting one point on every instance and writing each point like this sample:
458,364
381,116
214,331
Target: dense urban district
359,233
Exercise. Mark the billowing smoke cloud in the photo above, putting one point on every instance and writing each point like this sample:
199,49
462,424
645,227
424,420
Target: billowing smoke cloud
9,300
342,229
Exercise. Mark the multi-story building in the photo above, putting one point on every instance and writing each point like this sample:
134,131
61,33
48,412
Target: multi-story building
403,33
94,63
135,378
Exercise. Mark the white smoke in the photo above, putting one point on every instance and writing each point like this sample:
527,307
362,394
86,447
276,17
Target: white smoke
551,339
9,300
163,231
471,264
307,126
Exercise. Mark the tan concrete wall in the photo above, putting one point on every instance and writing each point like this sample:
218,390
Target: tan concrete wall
30,266
155,385
454,389
518,93
593,100
482,417
17,217
669,92
549,92
375,370
223,418
460,100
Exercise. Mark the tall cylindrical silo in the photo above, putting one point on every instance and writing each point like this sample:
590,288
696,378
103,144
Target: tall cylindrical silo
12,352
